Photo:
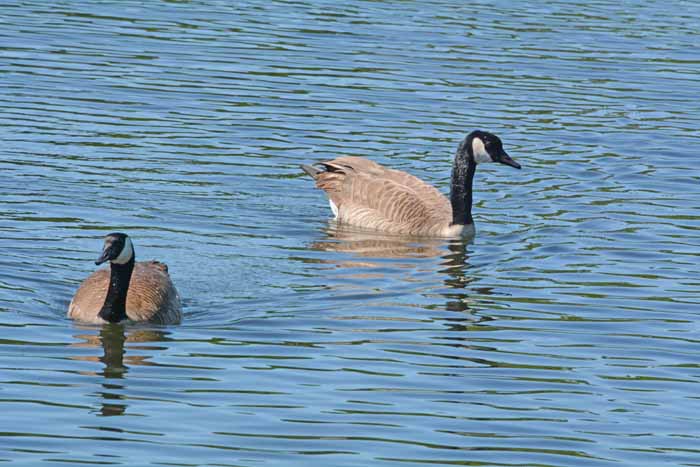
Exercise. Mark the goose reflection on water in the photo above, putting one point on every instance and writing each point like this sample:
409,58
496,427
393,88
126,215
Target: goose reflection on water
372,256
367,244
111,340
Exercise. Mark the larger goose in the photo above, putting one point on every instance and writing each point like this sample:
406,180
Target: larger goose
127,290
366,194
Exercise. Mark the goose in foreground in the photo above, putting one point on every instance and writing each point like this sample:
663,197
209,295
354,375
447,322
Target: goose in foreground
127,290
366,194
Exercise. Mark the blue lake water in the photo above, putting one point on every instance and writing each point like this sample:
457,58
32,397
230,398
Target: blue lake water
565,334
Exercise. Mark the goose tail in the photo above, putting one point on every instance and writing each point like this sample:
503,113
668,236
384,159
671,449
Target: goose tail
311,170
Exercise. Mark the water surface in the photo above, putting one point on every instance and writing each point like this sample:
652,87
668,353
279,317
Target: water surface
564,335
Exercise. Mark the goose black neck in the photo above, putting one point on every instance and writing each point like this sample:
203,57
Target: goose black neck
114,308
461,188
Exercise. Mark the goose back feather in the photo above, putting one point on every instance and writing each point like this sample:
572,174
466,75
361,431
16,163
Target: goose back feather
369,195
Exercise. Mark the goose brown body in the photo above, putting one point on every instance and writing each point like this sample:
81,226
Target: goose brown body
369,195
152,297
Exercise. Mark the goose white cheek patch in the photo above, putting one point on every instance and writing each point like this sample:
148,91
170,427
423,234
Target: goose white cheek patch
480,154
126,254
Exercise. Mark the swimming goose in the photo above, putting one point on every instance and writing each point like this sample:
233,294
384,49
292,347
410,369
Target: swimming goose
127,290
366,194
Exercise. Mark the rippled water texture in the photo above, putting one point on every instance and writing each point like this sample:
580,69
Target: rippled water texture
565,335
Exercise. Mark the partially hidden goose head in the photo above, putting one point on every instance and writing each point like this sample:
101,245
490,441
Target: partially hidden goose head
366,194
127,290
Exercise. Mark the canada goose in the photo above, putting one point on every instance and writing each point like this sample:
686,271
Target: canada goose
366,194
127,290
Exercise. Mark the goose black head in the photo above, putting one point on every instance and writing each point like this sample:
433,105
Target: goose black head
117,249
484,147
